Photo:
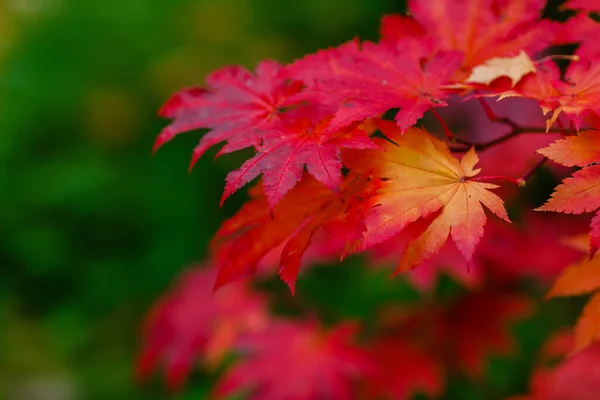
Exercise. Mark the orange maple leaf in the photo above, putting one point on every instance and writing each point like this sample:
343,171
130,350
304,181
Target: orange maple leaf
418,177
579,279
581,150
581,192
587,330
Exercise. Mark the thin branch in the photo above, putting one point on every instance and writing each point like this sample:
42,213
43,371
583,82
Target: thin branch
449,134
514,132
572,127
561,127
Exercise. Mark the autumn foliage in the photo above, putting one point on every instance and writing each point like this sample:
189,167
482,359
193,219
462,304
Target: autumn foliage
377,148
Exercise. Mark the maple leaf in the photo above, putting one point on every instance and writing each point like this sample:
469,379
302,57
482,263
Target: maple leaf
395,27
463,333
581,192
587,329
578,279
541,86
481,30
533,248
365,82
478,326
297,361
580,150
582,29
403,369
418,177
287,148
246,238
576,378
424,278
515,68
190,322
579,95
236,106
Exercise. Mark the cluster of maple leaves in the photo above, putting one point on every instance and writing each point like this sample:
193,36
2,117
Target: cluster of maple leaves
346,166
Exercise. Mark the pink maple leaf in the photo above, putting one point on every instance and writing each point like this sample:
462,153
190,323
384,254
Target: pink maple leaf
191,323
297,361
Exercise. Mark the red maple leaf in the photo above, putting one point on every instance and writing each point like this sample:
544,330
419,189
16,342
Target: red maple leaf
461,334
191,323
481,30
575,378
534,247
476,326
541,87
578,378
395,27
236,106
403,369
288,147
582,30
579,95
297,361
246,238
424,278
365,82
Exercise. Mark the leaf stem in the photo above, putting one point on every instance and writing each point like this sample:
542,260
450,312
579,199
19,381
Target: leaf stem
493,117
449,134
521,182
561,126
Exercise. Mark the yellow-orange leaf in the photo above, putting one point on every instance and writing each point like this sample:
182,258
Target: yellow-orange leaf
578,279
514,68
587,329
419,176
580,150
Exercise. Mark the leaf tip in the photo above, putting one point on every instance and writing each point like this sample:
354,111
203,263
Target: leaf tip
158,144
193,161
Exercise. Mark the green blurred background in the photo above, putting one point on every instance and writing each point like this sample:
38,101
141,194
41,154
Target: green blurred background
93,228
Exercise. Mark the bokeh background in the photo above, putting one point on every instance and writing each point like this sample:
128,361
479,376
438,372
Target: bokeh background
93,228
